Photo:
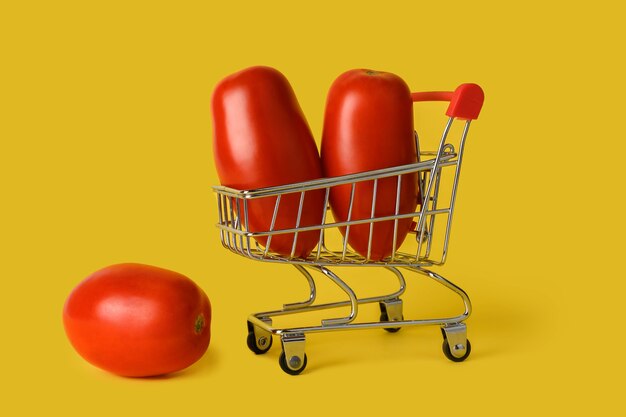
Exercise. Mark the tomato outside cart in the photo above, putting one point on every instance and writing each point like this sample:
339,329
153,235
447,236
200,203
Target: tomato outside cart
426,247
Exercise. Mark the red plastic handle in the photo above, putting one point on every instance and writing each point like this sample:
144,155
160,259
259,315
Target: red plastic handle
465,102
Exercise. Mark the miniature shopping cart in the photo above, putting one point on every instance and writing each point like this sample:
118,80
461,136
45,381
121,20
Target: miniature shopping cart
424,247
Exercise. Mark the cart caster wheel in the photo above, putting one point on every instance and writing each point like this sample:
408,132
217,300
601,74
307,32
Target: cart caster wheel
384,315
259,346
295,361
259,340
448,352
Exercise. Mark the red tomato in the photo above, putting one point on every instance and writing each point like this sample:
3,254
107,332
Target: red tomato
261,139
138,320
368,124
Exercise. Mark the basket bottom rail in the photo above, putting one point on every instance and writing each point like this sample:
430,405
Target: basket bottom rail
254,319
263,320
293,359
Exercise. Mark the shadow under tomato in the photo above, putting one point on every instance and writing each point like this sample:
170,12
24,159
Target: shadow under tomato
205,365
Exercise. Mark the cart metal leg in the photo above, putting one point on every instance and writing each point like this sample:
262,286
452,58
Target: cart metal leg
293,359
456,345
312,295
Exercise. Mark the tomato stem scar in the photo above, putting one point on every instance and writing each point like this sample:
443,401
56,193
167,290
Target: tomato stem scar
199,325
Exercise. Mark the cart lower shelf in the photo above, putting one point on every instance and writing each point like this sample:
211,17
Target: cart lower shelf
293,359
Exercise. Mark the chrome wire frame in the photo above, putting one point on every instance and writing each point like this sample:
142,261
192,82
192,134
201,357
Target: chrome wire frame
263,319
233,214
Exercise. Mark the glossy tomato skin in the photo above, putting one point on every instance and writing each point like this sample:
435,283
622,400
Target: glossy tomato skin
138,320
368,125
261,139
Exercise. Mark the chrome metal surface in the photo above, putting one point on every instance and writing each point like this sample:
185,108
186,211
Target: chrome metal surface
456,334
393,308
261,335
312,293
293,346
354,302
347,323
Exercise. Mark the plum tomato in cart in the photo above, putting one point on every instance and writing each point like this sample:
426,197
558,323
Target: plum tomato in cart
368,125
262,139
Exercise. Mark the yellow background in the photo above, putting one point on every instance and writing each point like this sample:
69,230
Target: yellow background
106,157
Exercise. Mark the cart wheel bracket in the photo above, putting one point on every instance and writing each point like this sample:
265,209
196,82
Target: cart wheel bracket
456,335
262,337
293,349
391,310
